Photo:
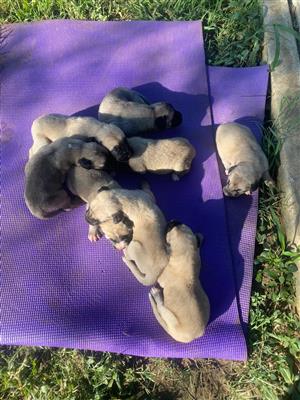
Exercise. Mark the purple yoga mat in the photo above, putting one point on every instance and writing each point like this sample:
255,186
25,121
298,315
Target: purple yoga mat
57,289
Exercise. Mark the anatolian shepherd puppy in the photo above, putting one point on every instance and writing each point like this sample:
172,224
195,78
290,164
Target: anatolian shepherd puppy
179,302
45,192
244,161
131,112
48,128
146,255
164,156
86,184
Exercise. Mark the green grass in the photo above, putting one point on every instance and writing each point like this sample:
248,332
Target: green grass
233,37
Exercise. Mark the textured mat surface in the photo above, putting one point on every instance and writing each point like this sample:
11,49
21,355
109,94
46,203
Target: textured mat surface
57,289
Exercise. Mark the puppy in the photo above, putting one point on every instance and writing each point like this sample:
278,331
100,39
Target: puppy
161,156
48,128
45,173
131,112
86,184
179,303
243,159
146,254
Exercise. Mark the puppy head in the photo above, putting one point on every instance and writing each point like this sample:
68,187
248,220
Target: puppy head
241,180
118,229
180,237
115,141
122,152
93,156
166,116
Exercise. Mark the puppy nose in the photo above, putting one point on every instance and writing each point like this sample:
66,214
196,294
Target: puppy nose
177,119
226,191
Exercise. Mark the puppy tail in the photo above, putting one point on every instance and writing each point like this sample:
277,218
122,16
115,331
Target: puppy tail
146,188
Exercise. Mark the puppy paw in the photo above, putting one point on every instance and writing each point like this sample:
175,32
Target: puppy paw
94,236
175,177
156,294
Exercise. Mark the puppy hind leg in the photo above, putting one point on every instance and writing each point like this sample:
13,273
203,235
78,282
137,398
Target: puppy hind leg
268,180
60,201
164,316
156,312
37,144
175,176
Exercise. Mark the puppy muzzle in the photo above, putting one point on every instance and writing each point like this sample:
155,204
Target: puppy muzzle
122,152
177,119
231,193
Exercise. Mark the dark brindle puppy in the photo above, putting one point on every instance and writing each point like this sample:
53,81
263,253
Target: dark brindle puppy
45,173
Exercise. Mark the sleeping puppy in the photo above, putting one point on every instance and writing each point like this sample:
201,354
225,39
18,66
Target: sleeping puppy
131,112
146,254
164,156
179,303
86,184
45,173
48,128
243,159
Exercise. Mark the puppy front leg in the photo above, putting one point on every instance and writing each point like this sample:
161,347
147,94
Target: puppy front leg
94,233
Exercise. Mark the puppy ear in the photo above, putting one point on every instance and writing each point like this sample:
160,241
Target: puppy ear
177,119
199,238
171,224
118,217
161,122
85,163
231,169
102,189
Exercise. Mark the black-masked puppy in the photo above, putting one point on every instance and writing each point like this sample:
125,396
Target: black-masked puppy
146,254
244,161
179,302
48,128
163,156
131,112
45,192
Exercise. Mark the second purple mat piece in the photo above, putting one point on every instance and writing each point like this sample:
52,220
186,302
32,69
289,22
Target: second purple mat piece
239,94
57,289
